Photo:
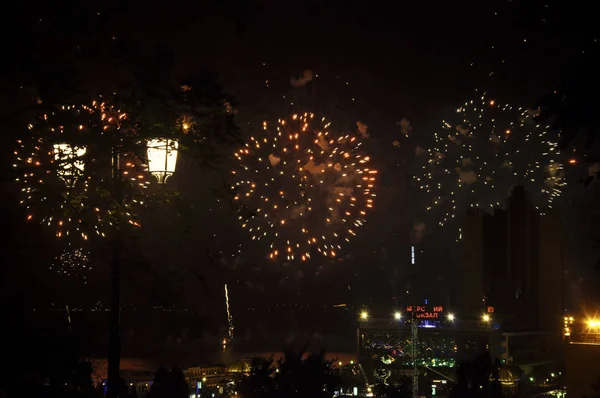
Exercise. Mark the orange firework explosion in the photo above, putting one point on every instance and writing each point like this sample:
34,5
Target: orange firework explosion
303,188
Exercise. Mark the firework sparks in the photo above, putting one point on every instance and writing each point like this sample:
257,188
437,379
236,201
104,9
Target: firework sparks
72,263
476,160
303,188
65,169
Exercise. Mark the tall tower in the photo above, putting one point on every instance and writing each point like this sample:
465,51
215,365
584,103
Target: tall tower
523,257
551,267
513,260
495,259
471,267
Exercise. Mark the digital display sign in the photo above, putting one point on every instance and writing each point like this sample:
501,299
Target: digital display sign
424,311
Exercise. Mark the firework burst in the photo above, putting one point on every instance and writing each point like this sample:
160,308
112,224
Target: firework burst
476,160
302,188
65,166
72,263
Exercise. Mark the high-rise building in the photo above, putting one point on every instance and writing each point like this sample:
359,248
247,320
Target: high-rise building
552,271
513,263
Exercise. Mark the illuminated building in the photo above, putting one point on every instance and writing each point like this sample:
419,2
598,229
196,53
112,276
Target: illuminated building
443,340
140,375
513,261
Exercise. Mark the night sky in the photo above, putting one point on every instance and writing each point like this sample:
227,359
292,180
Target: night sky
373,61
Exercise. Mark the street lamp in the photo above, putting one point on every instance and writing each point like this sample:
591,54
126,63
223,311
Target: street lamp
593,326
364,315
593,323
69,160
397,316
56,148
451,317
486,318
162,158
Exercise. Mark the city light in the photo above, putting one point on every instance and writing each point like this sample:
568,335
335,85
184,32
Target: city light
593,323
364,315
451,317
567,326
486,318
397,316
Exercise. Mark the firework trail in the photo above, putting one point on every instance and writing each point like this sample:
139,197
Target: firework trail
229,317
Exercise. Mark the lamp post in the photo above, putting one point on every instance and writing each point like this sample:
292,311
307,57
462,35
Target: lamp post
70,164
114,332
98,197
162,158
